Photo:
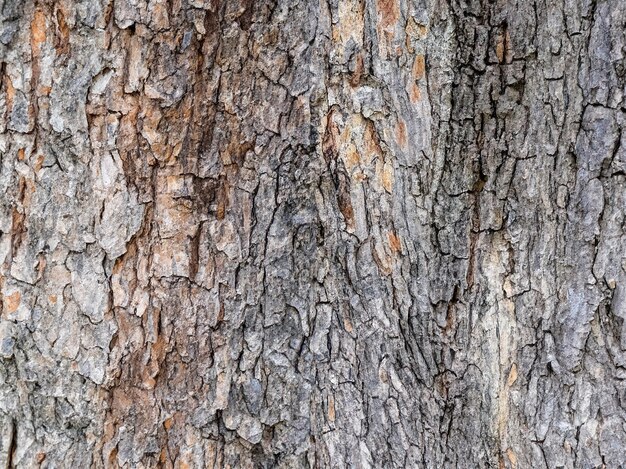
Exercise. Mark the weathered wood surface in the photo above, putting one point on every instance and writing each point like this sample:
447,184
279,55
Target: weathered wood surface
300,233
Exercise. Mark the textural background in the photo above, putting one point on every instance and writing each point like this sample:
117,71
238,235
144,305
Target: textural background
311,233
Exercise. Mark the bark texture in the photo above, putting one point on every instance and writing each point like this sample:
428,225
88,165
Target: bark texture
313,233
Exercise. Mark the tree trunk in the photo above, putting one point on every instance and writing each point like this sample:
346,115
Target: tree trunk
313,234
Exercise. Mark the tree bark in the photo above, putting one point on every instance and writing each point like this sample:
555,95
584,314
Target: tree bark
317,234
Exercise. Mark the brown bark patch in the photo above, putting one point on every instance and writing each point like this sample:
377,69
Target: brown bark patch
41,265
222,198
418,72
347,324
387,177
503,46
419,67
351,16
372,141
352,157
12,301
329,141
401,136
163,456
512,457
331,408
388,12
167,424
415,94
38,163
500,49
37,32
355,79
10,94
394,242
345,206
17,227
415,30
62,42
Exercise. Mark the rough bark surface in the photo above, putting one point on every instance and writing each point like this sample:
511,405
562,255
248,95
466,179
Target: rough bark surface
302,233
